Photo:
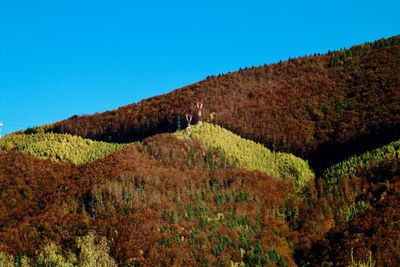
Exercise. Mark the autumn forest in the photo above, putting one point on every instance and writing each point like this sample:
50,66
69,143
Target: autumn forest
296,164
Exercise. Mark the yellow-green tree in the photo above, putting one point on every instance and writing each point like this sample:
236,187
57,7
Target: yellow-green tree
250,155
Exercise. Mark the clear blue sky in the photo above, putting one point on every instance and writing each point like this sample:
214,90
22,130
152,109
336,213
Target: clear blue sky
59,58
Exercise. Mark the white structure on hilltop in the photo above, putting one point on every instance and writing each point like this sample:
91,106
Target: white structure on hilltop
189,118
199,106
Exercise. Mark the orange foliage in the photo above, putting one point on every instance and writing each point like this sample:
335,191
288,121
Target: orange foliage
324,108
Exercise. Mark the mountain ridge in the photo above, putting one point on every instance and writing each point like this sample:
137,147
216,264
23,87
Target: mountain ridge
206,196
312,106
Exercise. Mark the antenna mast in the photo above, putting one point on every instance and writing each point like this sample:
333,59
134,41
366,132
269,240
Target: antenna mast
189,118
199,105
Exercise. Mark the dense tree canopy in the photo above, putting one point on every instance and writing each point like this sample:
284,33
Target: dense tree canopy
323,108
216,198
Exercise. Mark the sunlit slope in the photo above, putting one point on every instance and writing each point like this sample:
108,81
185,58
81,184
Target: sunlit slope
250,155
58,147
323,108
368,159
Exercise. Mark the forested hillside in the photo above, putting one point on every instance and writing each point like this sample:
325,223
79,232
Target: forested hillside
321,107
170,201
58,147
357,216
163,202
224,193
244,153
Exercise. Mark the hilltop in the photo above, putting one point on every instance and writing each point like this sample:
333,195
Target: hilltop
58,147
164,201
130,187
322,108
244,153
173,200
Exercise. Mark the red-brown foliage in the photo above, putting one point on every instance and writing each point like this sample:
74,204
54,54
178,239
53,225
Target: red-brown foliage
163,202
375,230
321,107
168,201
